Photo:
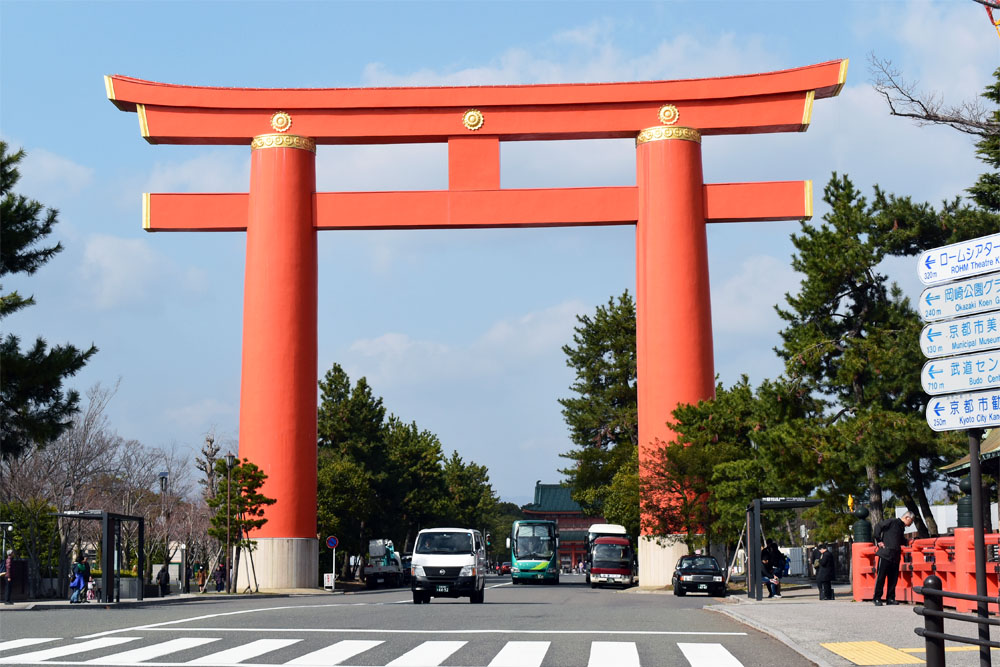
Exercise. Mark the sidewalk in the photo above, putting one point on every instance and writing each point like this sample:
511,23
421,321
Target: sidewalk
132,603
842,633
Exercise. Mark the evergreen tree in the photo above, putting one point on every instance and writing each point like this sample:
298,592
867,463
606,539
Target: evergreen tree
34,407
603,416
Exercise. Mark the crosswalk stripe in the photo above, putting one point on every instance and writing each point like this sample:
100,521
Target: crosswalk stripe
234,656
521,654
708,655
27,641
428,654
70,649
335,653
154,651
619,654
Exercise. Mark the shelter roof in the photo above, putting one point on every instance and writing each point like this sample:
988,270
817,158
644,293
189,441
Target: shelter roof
989,448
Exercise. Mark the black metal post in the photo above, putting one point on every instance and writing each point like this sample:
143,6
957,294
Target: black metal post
979,542
934,624
753,544
142,558
107,556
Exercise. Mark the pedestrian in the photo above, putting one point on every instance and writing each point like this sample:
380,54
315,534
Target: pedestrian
86,580
890,540
771,568
76,583
220,578
825,572
7,574
163,579
202,578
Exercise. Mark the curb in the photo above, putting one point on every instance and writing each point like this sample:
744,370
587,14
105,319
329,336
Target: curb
776,634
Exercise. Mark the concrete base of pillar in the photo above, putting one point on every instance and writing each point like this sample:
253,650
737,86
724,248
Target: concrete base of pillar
281,562
657,558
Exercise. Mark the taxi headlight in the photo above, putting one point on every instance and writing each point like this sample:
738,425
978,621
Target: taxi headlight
716,578
687,577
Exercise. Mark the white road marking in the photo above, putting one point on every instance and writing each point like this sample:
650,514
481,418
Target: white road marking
483,631
428,654
27,641
521,654
618,654
60,651
154,651
334,654
234,656
708,655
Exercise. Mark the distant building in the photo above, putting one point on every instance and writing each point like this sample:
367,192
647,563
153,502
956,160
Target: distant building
553,503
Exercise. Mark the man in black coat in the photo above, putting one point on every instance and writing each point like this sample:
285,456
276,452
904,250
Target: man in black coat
889,539
825,572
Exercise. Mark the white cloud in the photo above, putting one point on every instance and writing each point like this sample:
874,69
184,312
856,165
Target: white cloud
50,178
219,170
120,272
744,302
205,411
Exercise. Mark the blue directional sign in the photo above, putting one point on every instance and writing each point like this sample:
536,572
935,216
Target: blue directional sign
963,411
968,297
968,334
960,260
957,374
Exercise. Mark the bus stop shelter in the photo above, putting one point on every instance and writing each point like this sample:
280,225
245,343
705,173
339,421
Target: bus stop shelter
111,549
755,536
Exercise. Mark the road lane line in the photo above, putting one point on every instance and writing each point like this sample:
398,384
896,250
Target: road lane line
153,651
334,654
234,656
521,654
69,649
618,654
428,654
708,655
483,631
27,641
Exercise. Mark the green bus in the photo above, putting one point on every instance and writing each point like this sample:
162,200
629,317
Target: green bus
534,552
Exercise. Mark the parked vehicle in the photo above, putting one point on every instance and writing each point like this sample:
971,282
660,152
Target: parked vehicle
598,530
534,552
612,563
699,574
384,565
450,563
505,567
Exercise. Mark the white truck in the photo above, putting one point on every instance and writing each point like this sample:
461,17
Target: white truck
384,566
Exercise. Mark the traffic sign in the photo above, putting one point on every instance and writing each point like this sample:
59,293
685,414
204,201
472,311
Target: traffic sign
960,260
332,542
963,411
968,297
969,334
956,374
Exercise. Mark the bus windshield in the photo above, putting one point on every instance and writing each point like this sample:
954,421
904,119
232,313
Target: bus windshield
611,555
444,543
534,541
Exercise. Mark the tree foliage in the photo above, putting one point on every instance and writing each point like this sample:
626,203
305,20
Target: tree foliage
34,407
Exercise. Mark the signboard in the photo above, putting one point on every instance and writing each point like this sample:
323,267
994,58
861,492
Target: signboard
969,334
958,299
955,374
331,542
328,580
964,411
960,260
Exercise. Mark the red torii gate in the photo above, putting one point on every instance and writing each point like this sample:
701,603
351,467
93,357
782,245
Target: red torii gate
281,214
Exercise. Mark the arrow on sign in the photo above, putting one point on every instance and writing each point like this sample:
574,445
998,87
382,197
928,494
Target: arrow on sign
938,409
928,262
931,334
931,298
932,372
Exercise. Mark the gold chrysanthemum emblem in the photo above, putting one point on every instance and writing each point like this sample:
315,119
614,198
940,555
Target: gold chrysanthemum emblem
281,121
669,114
473,119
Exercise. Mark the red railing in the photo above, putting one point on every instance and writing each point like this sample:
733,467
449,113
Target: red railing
951,558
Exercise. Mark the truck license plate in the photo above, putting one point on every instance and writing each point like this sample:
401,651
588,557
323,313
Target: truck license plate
442,589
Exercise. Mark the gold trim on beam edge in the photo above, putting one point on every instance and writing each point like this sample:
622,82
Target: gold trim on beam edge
145,210
283,141
807,110
140,110
109,87
809,200
842,77
662,133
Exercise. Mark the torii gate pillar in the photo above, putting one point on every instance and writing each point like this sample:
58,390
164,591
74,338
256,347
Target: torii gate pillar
674,362
278,388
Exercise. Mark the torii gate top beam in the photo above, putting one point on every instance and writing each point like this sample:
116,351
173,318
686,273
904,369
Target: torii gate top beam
770,102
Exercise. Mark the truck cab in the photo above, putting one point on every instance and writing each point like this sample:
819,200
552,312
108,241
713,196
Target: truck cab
612,562
450,563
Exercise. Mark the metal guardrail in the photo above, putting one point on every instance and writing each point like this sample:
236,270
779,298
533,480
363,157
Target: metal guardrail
933,631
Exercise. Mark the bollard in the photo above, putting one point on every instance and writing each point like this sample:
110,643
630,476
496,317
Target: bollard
933,624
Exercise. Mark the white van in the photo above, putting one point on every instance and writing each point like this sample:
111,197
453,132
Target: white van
448,563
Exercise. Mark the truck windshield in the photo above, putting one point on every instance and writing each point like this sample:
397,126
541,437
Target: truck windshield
444,543
611,555
534,541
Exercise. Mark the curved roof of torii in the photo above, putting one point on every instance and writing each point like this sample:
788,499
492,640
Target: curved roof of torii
778,101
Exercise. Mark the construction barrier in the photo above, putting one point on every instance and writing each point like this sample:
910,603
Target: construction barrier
951,558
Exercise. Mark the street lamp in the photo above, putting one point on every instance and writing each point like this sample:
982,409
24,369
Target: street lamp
6,527
230,460
164,476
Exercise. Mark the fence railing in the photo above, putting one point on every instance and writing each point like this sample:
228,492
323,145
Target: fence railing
934,616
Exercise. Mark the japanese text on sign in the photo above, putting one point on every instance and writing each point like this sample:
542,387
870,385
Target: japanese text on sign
960,260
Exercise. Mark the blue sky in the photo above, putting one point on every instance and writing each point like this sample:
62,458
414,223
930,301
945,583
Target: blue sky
460,331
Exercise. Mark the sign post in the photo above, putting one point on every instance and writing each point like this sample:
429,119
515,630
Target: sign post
949,305
332,542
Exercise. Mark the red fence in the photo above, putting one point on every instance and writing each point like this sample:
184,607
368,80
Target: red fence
951,558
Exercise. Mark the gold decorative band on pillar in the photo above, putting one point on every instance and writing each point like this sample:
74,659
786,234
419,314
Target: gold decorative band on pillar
283,141
661,133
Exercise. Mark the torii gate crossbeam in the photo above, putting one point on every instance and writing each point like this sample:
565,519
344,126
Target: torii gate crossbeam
670,205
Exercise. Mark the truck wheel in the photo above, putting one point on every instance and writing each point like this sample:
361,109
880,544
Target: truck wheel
417,597
477,597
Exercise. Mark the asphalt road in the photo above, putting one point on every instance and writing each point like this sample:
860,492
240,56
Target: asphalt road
523,626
